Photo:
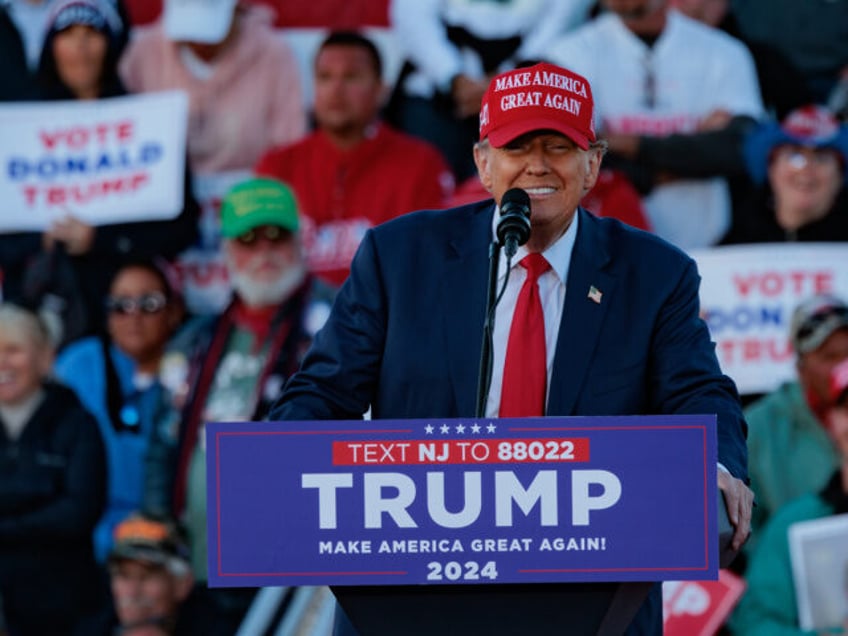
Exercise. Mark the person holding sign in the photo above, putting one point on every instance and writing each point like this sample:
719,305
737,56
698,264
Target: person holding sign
770,605
73,259
597,318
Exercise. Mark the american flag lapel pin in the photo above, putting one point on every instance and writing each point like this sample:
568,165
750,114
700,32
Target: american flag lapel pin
595,294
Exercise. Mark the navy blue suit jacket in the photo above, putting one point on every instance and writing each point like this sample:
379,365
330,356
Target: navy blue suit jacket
405,332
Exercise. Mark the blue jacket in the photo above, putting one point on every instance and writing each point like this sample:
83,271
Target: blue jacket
81,367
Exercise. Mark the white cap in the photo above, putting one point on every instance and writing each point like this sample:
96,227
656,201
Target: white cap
203,21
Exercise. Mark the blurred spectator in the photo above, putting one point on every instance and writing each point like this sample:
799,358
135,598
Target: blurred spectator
16,81
813,36
229,367
242,79
32,19
116,378
789,453
79,62
769,605
354,171
782,87
799,168
453,48
673,98
152,586
52,487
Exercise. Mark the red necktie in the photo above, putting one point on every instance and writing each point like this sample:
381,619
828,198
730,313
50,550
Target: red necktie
525,375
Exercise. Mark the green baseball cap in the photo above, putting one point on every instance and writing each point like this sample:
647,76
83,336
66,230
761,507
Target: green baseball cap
258,202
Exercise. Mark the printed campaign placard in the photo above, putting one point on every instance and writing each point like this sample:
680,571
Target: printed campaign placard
700,608
748,294
202,267
438,501
111,160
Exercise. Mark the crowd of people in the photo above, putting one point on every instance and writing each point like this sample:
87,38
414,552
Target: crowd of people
709,126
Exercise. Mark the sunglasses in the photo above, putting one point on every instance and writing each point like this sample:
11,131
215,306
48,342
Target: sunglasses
816,320
146,304
271,233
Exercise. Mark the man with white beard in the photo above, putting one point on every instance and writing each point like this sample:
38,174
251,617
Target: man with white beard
228,367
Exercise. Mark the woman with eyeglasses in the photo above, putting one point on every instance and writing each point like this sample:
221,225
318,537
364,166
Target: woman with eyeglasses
799,172
52,487
116,378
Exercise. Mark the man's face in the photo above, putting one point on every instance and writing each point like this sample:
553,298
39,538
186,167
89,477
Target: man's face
348,90
146,592
554,171
814,368
265,265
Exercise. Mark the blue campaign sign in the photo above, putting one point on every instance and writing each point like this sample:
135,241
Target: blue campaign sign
555,499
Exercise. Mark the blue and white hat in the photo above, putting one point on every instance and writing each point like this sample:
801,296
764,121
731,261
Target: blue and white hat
810,126
98,14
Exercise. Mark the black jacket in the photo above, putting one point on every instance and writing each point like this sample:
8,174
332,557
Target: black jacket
52,492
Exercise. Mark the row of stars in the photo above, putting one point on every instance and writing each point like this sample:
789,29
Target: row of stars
444,429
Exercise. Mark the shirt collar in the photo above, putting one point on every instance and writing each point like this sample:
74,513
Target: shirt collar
558,254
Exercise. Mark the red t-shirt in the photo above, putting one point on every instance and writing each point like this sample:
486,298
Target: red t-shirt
342,193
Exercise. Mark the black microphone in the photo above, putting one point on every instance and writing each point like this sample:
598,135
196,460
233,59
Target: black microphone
513,227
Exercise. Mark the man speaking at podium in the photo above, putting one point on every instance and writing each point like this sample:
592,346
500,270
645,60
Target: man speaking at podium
596,318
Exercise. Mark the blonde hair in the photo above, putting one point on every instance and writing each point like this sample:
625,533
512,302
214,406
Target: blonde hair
26,322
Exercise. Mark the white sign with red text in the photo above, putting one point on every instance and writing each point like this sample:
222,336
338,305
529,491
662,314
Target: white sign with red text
202,267
103,161
748,294
699,608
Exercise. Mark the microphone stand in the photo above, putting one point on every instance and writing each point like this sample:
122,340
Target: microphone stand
486,355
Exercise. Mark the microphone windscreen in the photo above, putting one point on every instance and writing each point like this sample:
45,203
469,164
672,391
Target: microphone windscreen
515,200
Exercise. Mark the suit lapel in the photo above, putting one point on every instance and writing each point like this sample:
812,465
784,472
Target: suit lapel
464,289
583,315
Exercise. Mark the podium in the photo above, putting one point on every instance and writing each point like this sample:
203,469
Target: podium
588,609
557,525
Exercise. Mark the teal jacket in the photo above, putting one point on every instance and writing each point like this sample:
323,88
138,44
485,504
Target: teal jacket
769,606
789,453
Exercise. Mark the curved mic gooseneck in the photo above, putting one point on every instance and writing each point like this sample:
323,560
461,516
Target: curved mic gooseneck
512,231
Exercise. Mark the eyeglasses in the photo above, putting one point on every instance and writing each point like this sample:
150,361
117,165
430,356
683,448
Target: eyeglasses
146,304
800,157
817,319
271,233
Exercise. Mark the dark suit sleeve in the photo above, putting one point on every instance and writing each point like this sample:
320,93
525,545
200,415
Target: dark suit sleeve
339,374
685,374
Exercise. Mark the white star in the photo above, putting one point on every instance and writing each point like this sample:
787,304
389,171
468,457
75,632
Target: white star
460,428
491,428
445,429
428,429
475,428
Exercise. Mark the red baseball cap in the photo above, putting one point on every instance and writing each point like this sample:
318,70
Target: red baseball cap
540,97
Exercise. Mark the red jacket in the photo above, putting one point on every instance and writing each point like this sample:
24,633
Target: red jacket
342,193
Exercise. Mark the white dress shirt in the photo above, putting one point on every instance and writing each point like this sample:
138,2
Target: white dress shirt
551,293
